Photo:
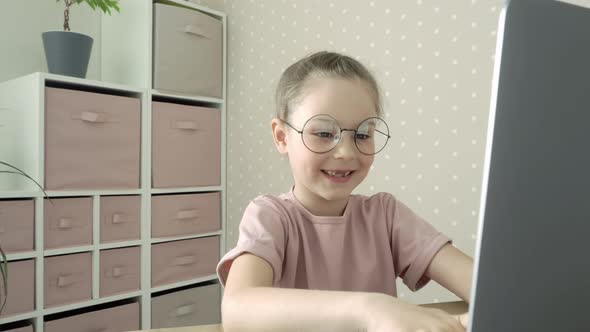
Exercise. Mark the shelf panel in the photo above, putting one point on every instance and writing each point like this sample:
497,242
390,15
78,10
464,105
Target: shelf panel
170,95
64,193
184,283
21,255
67,251
185,190
84,304
187,237
15,318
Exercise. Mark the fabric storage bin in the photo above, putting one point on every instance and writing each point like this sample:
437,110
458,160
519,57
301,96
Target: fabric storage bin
188,51
17,225
184,260
120,218
176,215
67,222
67,279
92,140
21,288
194,306
120,271
115,319
186,145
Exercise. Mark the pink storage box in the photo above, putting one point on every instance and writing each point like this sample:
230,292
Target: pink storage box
68,279
184,260
186,146
21,288
195,306
67,222
120,218
176,215
116,319
17,225
92,140
120,271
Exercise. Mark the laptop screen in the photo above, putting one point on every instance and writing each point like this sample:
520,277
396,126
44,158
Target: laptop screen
532,265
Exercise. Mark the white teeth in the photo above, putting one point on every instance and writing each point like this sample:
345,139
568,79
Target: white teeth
338,174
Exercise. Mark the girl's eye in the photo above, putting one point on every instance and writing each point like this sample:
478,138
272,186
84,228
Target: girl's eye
324,134
362,136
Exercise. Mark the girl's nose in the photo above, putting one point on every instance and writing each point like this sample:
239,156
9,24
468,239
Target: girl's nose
346,147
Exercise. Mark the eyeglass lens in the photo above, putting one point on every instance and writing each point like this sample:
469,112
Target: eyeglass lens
322,133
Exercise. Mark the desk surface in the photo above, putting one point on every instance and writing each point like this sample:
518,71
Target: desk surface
454,308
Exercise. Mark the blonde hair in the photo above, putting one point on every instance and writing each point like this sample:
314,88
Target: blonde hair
290,89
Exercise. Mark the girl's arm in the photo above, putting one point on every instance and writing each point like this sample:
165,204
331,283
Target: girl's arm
250,303
453,270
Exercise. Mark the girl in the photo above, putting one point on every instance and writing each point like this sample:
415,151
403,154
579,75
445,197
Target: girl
318,258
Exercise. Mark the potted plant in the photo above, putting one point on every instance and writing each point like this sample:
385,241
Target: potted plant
67,52
3,260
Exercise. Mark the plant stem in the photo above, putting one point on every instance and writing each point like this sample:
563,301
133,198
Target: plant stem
67,14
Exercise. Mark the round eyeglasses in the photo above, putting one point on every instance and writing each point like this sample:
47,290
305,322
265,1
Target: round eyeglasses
321,133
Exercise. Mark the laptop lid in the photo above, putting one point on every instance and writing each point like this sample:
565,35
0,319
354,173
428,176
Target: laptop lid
532,262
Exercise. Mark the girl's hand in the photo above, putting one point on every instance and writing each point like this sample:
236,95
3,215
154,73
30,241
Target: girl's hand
387,314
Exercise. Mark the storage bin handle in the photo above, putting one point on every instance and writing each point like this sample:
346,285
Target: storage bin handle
120,218
93,117
186,125
118,271
65,280
195,30
184,310
187,214
185,260
65,223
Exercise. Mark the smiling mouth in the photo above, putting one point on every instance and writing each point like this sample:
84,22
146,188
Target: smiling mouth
338,174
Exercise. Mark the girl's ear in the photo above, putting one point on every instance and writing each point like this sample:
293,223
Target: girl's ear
279,135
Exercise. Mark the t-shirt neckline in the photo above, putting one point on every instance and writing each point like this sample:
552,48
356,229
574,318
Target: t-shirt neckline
320,219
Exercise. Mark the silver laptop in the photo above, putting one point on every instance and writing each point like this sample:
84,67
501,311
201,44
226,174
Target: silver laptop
532,260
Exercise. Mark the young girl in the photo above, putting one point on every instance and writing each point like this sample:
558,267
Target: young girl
318,258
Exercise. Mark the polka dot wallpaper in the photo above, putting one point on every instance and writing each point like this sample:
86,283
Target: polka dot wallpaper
433,60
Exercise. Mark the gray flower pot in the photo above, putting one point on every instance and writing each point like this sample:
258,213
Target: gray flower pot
67,53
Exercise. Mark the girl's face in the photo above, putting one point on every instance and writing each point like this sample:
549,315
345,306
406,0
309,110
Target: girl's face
329,178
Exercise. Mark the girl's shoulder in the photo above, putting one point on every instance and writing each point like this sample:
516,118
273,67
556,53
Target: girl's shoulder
281,204
383,199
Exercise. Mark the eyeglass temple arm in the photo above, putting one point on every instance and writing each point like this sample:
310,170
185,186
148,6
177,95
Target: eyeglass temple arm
288,124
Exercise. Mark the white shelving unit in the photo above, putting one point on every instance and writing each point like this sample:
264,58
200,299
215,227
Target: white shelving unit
126,68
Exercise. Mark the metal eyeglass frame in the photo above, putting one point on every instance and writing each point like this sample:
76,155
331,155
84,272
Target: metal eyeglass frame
300,132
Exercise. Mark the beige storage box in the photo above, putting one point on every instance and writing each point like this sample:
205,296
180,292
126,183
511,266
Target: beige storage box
116,319
21,288
120,218
120,271
68,279
194,306
188,214
92,140
67,222
188,48
17,225
184,260
186,146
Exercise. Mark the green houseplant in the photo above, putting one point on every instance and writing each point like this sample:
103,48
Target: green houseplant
3,260
67,52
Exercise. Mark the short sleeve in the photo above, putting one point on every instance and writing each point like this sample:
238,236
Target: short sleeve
262,233
414,243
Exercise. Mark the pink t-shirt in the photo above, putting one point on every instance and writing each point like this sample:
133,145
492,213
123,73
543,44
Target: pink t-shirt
377,239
